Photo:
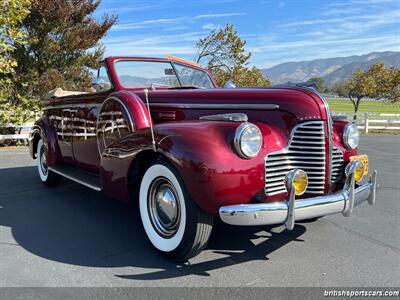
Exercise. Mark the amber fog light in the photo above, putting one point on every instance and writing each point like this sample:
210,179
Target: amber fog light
359,171
297,180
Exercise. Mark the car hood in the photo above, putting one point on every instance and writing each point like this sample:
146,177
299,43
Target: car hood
303,103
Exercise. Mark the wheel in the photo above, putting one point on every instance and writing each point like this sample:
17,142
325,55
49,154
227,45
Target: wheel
172,221
48,177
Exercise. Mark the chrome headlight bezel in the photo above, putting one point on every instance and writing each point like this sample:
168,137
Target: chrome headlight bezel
351,133
239,143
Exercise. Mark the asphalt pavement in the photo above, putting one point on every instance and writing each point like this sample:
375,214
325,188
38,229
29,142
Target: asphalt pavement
73,236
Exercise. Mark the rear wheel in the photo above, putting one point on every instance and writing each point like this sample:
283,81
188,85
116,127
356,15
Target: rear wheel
172,221
48,177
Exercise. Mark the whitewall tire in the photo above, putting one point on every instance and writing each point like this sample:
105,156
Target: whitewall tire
46,176
172,221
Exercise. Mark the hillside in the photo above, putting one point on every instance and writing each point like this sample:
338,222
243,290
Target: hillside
331,69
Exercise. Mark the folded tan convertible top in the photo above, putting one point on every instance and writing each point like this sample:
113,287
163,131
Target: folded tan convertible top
59,92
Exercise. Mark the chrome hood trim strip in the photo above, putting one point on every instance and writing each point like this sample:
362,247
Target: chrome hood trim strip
215,106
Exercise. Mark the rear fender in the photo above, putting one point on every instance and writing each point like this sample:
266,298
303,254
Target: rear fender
138,113
43,129
120,115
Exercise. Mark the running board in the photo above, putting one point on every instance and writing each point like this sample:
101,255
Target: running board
86,179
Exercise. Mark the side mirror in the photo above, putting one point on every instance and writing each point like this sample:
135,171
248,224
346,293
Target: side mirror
229,85
169,71
100,84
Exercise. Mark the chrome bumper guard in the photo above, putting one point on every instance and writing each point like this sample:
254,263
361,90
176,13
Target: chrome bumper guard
291,210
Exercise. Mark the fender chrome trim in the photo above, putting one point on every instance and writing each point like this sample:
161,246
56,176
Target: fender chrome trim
233,117
77,105
330,138
124,107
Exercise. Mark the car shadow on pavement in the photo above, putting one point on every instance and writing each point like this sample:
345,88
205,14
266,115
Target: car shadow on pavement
74,225
233,246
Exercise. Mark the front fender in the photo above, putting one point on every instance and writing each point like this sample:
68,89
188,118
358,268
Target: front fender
203,153
214,174
337,132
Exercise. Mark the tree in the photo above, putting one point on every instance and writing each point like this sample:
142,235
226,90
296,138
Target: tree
225,55
388,85
63,44
340,89
319,84
11,35
376,82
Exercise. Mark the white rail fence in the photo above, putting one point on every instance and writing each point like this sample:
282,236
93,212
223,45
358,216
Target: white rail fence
16,133
374,121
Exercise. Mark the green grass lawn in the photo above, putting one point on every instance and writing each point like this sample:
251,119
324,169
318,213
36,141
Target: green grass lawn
345,106
372,107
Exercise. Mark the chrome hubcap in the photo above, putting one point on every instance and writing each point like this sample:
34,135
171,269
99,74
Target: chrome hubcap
163,207
43,163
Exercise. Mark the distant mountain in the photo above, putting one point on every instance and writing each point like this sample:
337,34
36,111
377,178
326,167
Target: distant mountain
331,69
345,72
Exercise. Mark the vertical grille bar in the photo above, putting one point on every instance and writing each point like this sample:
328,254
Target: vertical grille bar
337,164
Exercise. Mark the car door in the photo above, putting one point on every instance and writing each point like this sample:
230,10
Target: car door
62,121
85,150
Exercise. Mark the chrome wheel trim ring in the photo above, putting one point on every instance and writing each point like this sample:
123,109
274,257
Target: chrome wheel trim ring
164,207
42,161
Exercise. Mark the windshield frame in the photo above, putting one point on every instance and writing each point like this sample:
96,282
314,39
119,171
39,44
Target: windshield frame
171,63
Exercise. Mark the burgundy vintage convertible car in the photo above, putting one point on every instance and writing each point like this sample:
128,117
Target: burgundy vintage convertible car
159,133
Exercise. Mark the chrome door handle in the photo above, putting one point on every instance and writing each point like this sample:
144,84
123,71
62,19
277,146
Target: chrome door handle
71,110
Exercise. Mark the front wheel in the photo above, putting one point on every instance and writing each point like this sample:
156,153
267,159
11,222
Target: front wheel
172,221
48,177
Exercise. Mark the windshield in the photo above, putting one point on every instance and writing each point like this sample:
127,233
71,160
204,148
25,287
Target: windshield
137,74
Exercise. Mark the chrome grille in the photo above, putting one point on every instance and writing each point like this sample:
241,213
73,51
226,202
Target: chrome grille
337,164
306,151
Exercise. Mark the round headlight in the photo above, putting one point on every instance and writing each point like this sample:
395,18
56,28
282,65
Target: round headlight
248,140
351,136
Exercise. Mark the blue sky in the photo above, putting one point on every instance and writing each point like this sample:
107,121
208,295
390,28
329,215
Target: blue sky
276,31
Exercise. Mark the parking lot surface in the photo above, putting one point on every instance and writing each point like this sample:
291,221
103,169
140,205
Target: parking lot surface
73,236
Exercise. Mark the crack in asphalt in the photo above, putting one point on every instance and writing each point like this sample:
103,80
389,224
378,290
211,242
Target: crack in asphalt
123,251
386,154
372,240
390,187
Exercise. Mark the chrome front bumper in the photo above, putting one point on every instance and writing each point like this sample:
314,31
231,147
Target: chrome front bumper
295,210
